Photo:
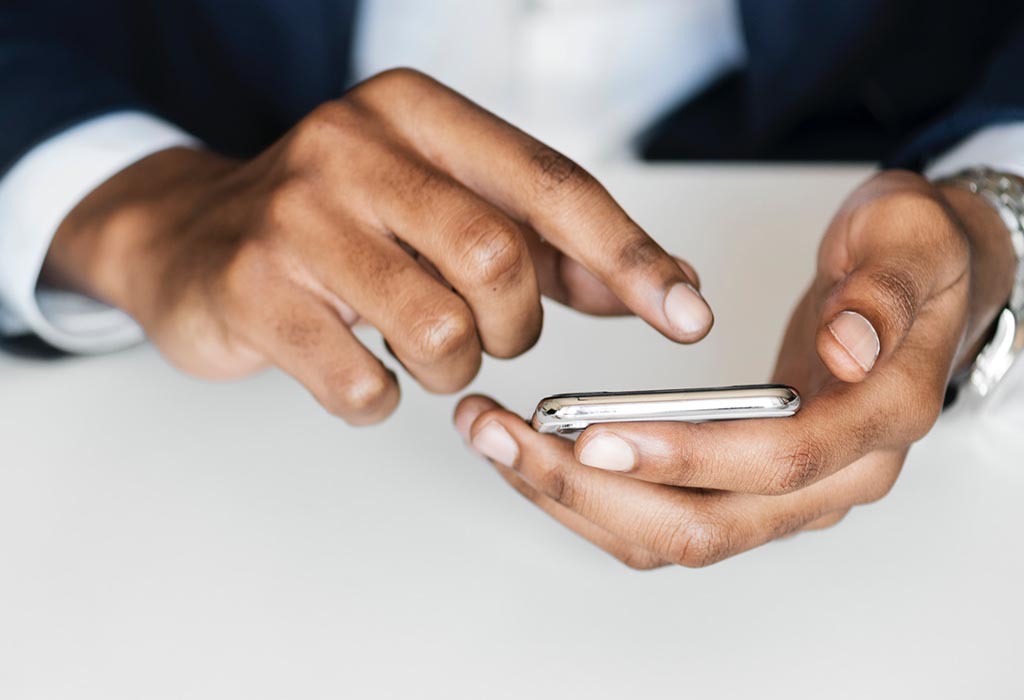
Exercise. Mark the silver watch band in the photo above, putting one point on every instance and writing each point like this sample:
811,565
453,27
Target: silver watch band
1006,195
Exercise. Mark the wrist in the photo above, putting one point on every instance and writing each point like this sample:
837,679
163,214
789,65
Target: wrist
113,245
992,267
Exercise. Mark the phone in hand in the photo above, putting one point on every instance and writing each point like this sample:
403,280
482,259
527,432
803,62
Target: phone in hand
570,414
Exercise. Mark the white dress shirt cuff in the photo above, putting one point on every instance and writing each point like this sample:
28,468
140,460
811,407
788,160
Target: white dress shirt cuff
1000,147
36,194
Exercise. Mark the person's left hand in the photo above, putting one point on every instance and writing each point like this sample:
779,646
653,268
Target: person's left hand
909,279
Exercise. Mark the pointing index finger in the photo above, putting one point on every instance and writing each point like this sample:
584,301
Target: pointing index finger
556,197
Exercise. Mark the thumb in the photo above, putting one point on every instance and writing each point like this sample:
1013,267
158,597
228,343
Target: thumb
865,318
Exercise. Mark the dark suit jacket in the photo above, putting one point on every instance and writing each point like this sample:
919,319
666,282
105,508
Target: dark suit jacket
826,79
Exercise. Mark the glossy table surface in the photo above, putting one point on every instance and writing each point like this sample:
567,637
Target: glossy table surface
162,537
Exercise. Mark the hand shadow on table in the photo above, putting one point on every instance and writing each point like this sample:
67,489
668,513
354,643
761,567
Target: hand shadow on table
30,346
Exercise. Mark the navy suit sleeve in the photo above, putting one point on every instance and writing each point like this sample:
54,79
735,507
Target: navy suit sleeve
999,98
55,60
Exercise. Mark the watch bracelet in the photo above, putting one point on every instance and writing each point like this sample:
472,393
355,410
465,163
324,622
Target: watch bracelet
1005,194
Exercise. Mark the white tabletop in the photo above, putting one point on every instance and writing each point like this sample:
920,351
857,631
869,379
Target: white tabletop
161,537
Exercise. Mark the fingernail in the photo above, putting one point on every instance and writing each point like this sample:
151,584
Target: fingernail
858,337
494,442
607,451
686,310
464,421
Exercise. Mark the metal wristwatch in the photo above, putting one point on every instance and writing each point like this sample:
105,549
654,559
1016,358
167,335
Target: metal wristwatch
1005,194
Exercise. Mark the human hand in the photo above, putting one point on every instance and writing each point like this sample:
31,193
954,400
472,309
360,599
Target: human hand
909,279
403,204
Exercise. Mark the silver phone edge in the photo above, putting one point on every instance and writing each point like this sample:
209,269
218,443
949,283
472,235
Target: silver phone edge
547,419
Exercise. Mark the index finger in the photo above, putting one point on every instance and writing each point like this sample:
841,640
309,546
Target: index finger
772,455
549,192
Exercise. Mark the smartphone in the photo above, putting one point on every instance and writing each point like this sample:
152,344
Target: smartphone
569,414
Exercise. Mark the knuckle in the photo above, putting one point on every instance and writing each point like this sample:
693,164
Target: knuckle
785,524
899,294
401,75
558,176
699,543
876,476
298,335
640,250
695,453
286,204
920,215
877,489
356,397
496,252
796,466
638,559
910,204
561,488
251,264
836,519
389,84
445,335
925,207
323,125
325,116
826,521
423,182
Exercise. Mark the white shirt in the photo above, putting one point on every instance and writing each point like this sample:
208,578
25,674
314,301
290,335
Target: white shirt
585,76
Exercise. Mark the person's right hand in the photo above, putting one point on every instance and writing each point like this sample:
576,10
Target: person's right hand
910,278
402,203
